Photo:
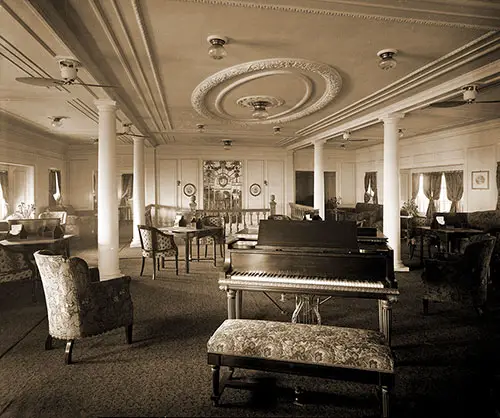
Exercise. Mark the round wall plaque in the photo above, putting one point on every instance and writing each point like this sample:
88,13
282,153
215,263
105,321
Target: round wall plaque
189,189
255,189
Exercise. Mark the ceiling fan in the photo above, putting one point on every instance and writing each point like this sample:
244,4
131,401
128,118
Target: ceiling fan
127,131
69,69
469,97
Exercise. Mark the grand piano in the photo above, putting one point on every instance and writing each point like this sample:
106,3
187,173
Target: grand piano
311,259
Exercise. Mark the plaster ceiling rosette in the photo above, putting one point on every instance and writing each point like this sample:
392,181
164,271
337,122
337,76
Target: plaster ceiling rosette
293,87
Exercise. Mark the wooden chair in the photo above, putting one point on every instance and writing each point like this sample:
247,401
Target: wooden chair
157,245
213,221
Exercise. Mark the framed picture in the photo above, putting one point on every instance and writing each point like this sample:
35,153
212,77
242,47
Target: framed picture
189,189
255,189
480,180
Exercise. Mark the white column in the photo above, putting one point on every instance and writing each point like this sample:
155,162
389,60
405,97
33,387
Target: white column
392,225
139,199
319,178
107,192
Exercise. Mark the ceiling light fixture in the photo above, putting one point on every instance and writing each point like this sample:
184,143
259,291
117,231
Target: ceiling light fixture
200,127
57,121
216,49
259,109
387,61
401,132
277,130
226,143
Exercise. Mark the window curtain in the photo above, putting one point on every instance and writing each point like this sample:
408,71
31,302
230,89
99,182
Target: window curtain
498,185
432,191
415,180
55,196
454,188
4,184
127,188
371,180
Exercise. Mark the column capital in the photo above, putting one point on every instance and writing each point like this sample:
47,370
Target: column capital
392,117
138,139
321,141
105,104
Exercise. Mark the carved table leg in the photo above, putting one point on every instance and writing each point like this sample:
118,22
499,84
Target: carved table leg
385,315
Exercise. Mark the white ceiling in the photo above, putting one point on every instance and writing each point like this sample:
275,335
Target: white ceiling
318,56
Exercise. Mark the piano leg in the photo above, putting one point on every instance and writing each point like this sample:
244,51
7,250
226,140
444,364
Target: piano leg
231,304
385,319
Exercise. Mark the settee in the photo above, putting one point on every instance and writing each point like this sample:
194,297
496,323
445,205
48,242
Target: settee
370,214
14,266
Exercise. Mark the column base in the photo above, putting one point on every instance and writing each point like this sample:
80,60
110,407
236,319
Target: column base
110,276
400,267
135,243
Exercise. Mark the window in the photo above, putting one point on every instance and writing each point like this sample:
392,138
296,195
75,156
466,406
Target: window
370,192
3,206
442,205
4,185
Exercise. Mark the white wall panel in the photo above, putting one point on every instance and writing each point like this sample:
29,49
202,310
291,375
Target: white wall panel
276,185
80,174
254,174
346,178
167,185
189,173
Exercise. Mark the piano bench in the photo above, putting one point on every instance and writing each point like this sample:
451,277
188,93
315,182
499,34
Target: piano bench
310,350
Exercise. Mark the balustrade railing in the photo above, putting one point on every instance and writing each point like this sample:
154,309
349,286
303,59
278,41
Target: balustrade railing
298,211
234,219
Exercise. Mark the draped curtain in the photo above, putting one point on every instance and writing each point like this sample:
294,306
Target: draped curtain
432,190
127,188
55,196
498,185
4,185
371,180
454,188
415,180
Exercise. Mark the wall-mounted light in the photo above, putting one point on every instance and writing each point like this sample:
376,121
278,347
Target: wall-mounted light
200,127
57,121
178,182
216,49
265,182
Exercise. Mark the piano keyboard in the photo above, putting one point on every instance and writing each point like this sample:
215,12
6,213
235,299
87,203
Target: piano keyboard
294,279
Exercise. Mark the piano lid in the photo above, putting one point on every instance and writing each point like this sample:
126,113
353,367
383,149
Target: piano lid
318,234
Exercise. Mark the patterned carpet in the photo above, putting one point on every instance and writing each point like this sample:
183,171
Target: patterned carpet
445,363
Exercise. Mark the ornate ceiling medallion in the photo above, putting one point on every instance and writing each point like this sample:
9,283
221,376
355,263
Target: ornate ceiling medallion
210,96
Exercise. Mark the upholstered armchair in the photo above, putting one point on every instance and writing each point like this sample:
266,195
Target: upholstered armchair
157,245
78,304
461,278
220,239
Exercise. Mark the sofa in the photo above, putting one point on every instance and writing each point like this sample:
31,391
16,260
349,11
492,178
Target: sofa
14,265
369,214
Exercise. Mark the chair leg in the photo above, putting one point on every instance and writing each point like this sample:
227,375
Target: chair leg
385,395
221,250
68,351
163,262
425,306
206,250
215,385
48,342
142,267
128,333
177,264
154,268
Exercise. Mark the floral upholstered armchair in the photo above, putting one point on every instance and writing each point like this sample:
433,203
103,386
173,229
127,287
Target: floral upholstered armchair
157,245
219,239
461,278
78,304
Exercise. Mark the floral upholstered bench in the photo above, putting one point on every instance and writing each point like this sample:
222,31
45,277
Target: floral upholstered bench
311,350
